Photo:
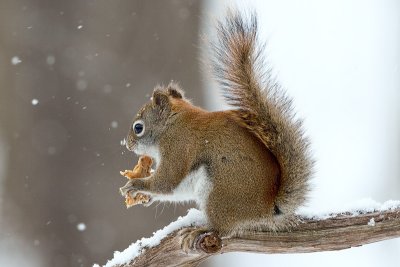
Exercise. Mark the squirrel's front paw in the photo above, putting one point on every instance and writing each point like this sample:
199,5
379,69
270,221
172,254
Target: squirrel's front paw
131,185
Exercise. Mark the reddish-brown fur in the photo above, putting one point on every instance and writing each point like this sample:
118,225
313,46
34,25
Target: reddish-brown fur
255,156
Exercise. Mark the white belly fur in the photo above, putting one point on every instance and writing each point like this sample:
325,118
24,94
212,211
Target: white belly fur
194,187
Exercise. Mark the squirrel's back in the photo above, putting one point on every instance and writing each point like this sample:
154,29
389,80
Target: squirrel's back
262,106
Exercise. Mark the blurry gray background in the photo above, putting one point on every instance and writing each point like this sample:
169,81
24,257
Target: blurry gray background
73,74
90,65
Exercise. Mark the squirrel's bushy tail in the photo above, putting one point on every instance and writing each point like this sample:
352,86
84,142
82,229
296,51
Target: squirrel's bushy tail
262,105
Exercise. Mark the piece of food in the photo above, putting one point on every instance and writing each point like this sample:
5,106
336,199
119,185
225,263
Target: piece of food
139,198
141,170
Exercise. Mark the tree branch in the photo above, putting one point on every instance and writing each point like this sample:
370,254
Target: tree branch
339,231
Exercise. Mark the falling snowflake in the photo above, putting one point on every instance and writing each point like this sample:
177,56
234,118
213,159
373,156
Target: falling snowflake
50,60
15,60
81,227
114,124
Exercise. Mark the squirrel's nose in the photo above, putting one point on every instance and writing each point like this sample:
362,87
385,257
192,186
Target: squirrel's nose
129,145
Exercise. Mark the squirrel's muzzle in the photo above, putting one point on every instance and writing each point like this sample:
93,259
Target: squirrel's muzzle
130,143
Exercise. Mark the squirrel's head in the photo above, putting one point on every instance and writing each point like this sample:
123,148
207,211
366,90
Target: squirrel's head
154,117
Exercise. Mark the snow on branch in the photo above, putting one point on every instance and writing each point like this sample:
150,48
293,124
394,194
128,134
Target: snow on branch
368,223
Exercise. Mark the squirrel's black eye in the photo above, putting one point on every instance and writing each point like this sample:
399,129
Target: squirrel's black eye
138,128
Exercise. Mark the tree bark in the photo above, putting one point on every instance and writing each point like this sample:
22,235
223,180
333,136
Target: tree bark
339,231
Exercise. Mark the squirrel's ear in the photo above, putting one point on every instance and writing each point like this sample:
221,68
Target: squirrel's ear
175,91
160,99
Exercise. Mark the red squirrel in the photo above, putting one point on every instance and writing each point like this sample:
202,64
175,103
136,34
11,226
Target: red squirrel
247,168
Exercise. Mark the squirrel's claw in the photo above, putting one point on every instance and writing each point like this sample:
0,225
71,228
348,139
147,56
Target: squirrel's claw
127,188
147,204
